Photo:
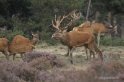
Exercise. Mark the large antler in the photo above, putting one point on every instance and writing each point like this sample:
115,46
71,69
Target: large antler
58,21
75,16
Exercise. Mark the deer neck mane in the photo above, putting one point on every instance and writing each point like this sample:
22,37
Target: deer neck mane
65,39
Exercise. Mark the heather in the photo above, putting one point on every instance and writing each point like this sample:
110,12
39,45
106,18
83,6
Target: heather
45,58
97,71
47,67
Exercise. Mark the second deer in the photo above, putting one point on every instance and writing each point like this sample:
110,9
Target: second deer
96,28
21,45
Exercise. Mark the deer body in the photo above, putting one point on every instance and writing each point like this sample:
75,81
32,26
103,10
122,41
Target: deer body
23,44
95,28
74,39
4,43
20,49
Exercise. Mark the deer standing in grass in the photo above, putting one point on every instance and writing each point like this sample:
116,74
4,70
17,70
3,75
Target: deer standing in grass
20,49
4,43
21,41
74,39
75,16
95,28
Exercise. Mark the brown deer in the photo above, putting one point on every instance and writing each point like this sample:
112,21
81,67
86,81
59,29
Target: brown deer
4,43
21,41
20,49
75,16
74,39
95,28
18,39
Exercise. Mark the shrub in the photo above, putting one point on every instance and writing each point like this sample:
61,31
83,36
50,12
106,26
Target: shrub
51,58
97,71
40,64
112,42
18,72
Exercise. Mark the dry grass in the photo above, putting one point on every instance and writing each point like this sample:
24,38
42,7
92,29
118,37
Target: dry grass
79,55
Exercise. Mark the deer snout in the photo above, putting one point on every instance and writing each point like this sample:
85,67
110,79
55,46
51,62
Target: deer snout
52,36
110,26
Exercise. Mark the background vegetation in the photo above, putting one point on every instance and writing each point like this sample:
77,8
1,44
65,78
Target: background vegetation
23,16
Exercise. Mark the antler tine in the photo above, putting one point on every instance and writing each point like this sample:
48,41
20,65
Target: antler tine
69,24
58,21
54,25
75,16
63,18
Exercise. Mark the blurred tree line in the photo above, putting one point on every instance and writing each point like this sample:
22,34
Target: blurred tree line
23,16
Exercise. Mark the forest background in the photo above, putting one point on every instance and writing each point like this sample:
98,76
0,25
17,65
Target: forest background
23,16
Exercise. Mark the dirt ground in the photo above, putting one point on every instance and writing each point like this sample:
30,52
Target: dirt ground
79,56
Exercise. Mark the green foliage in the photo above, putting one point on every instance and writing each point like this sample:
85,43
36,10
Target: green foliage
112,42
10,34
24,16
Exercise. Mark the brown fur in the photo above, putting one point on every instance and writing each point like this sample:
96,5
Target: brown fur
94,28
74,39
4,47
20,49
18,39
21,41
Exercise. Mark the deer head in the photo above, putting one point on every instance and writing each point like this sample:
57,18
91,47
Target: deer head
35,37
61,31
108,25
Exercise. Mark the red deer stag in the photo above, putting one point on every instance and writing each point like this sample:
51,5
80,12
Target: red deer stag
4,43
74,39
20,41
75,16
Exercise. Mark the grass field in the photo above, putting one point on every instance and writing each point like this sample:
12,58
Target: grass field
54,66
79,56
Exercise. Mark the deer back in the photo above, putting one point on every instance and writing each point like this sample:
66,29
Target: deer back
77,38
18,39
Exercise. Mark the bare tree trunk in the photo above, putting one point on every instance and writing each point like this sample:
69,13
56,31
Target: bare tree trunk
88,10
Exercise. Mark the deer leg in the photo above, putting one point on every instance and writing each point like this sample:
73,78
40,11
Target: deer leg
21,56
93,54
6,54
90,53
71,51
14,56
67,52
98,39
90,46
97,51
86,52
